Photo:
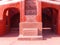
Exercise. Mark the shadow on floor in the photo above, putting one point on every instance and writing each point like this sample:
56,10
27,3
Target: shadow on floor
47,34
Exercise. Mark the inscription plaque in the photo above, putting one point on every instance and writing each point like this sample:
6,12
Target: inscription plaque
30,7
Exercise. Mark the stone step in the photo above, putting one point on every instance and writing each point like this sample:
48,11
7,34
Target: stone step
30,31
30,37
31,24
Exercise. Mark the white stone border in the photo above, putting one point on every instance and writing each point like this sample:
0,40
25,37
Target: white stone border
51,2
4,2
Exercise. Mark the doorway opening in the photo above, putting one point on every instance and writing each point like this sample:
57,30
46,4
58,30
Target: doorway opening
12,20
49,20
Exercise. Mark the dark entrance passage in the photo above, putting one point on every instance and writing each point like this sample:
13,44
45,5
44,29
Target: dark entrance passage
49,20
12,20
15,20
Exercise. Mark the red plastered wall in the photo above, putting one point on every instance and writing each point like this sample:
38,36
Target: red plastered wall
3,16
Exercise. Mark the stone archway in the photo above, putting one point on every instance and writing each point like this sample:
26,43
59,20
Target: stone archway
49,18
12,16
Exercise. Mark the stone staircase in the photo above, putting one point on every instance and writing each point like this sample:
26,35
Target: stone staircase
30,30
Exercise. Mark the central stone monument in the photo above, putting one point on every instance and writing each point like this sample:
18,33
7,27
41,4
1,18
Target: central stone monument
30,27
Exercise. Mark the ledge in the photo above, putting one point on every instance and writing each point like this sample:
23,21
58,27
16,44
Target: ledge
15,1
51,2
9,2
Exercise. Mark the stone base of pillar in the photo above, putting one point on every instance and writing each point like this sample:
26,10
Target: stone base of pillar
30,30
30,37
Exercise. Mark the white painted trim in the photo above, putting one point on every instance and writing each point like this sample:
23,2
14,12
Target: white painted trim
9,2
4,2
51,2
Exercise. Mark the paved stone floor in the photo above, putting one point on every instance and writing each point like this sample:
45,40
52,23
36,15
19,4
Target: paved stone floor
12,39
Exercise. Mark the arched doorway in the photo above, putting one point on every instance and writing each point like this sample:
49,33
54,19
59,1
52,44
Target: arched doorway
12,20
49,19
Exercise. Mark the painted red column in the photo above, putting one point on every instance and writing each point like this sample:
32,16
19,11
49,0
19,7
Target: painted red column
58,24
2,22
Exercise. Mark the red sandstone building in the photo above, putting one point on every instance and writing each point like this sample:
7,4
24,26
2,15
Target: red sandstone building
31,17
